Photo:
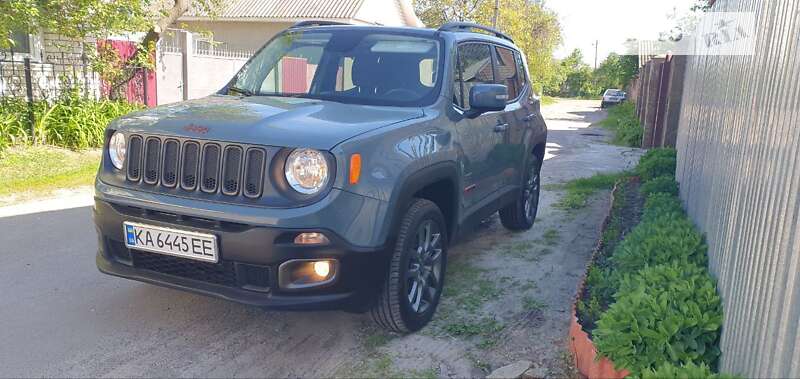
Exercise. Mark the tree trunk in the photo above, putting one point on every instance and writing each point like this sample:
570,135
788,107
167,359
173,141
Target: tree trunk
178,9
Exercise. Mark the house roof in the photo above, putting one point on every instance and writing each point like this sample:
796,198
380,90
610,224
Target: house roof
282,9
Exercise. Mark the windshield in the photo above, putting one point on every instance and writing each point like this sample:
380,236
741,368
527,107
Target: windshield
349,66
614,92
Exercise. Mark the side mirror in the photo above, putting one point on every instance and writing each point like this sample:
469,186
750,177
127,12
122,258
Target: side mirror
487,98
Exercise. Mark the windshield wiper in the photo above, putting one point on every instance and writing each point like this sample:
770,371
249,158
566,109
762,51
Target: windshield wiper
242,91
284,94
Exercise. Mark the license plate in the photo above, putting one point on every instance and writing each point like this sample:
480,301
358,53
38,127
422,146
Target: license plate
178,243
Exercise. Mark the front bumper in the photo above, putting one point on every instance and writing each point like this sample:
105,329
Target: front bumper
250,256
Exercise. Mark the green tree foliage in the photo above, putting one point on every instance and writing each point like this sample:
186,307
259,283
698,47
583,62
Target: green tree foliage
578,78
84,20
534,28
616,71
73,18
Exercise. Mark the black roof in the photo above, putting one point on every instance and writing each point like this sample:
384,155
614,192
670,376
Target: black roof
460,31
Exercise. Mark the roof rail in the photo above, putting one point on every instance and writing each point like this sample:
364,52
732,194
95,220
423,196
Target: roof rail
466,26
317,23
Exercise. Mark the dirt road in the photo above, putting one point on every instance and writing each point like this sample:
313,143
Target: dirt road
507,298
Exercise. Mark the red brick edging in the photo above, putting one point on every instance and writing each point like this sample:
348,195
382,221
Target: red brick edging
584,354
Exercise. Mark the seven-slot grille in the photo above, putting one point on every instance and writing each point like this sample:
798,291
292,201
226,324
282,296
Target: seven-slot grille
193,165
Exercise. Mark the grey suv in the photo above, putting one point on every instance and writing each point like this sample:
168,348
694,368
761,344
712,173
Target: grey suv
333,171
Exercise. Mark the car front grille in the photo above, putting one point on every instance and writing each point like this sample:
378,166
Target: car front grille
193,165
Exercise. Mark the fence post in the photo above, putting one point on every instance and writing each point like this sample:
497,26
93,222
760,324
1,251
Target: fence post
29,93
187,48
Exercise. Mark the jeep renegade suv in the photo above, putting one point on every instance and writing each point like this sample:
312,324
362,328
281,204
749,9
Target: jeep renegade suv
333,171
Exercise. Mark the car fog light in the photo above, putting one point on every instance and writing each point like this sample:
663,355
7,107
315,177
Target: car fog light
311,239
322,268
307,273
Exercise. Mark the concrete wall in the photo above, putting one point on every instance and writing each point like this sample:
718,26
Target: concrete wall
186,70
739,171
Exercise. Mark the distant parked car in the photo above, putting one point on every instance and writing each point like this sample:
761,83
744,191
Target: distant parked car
331,172
613,97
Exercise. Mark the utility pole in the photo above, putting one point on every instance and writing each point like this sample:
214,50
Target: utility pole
496,11
596,43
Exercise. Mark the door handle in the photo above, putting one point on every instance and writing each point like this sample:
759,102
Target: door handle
500,128
529,117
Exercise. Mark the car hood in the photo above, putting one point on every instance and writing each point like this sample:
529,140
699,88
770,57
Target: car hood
273,121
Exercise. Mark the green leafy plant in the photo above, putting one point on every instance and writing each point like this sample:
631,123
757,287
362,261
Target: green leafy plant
662,205
658,241
686,371
657,162
663,314
71,121
661,184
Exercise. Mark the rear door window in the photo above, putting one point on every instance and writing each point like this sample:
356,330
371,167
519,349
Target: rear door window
507,72
522,78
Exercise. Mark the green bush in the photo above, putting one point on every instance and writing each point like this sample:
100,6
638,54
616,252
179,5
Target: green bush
662,204
668,313
687,371
657,162
660,240
661,184
623,121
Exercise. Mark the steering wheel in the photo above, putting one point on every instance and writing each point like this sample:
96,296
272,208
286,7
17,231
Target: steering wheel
404,91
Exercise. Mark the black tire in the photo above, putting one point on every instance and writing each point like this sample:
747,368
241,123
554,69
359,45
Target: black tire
603,105
518,216
395,309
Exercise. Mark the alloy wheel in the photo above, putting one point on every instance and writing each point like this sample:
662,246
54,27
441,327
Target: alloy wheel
424,273
531,193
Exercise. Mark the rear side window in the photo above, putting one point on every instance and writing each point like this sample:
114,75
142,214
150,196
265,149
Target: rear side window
474,67
522,79
507,72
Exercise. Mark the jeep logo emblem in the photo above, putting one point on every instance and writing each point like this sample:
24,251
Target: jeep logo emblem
197,129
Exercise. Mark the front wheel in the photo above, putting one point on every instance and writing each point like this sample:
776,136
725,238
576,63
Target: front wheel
415,279
520,214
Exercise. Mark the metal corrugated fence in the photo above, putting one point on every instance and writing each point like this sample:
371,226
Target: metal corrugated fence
739,170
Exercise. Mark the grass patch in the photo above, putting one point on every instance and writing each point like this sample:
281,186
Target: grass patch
529,285
622,120
27,171
487,328
579,190
521,250
531,304
551,237
467,288
375,341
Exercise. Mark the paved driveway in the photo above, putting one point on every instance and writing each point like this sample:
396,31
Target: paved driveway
508,298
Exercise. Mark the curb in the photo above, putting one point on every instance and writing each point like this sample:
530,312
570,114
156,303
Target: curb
584,353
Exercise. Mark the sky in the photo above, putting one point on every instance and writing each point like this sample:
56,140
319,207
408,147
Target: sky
611,22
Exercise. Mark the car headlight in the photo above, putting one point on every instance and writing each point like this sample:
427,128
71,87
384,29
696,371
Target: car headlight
116,150
306,171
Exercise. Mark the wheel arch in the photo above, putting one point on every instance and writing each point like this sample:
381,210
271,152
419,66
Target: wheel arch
437,183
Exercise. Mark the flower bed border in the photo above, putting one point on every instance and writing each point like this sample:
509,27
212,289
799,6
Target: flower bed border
584,353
